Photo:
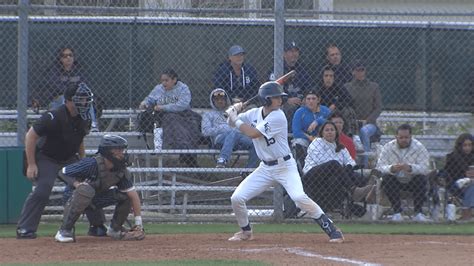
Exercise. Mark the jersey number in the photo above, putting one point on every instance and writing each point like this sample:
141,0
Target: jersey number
270,141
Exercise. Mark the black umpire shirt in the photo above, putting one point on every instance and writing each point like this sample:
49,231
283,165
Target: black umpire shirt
61,134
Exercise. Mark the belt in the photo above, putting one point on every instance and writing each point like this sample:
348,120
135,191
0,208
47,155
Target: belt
275,162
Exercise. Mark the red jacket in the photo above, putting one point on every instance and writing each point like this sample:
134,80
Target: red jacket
349,144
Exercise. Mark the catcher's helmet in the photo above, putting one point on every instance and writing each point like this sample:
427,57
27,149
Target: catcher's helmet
82,97
109,142
270,89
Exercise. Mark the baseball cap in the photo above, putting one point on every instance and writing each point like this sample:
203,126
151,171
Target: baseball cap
291,45
357,64
236,49
312,91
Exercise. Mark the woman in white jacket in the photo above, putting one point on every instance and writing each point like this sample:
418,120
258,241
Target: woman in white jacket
328,170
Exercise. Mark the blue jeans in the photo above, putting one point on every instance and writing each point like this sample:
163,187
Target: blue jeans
235,140
468,199
58,101
365,133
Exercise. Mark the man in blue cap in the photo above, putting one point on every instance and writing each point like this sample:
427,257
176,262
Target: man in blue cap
238,78
296,87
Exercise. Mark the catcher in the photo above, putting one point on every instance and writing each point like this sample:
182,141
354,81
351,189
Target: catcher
98,182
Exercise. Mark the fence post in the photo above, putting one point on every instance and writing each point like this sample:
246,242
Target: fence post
279,37
22,71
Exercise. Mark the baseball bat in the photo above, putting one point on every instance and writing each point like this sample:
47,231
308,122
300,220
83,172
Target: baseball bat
281,80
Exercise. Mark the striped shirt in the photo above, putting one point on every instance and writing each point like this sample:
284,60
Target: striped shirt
87,170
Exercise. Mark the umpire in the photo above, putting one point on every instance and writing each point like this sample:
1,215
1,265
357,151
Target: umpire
55,140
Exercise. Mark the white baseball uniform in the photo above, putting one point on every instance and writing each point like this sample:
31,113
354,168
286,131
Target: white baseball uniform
277,166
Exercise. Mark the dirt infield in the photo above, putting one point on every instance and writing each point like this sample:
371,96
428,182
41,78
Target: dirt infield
277,249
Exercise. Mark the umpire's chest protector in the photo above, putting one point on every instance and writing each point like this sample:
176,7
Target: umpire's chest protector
107,178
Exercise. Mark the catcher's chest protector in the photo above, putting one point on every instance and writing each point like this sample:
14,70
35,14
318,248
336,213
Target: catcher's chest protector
106,177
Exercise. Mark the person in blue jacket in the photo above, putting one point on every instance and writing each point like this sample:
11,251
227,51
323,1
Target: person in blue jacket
306,123
237,77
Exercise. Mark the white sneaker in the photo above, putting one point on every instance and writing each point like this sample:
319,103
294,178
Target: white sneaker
420,217
64,236
397,217
242,236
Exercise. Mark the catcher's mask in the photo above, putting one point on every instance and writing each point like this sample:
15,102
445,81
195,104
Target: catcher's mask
82,97
271,89
109,143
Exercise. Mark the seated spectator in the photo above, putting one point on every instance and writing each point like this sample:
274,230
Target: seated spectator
328,170
404,164
215,125
296,87
306,123
460,170
65,72
367,104
338,120
337,98
237,77
342,70
170,103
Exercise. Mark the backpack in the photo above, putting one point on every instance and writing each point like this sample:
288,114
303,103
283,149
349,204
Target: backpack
145,121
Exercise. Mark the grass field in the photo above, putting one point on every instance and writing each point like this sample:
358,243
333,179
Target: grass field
352,228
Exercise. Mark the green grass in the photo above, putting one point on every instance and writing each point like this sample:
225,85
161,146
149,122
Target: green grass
349,228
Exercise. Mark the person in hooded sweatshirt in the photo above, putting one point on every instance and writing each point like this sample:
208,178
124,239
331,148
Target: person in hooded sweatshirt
236,76
228,139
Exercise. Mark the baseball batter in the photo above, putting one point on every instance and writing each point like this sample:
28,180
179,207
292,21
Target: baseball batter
268,127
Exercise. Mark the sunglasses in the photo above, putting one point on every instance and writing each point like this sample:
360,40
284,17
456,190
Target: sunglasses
218,94
67,55
360,69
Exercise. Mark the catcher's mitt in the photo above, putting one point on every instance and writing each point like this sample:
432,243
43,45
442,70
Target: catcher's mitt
136,233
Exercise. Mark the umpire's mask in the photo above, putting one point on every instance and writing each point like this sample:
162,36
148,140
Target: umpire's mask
82,99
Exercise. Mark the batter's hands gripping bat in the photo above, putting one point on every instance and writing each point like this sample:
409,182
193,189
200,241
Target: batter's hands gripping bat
240,106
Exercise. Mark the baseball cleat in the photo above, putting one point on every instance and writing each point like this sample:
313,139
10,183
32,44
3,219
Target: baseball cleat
115,234
25,234
336,237
242,236
64,236
99,230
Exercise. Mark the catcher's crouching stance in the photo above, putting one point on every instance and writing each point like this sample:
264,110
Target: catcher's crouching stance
94,181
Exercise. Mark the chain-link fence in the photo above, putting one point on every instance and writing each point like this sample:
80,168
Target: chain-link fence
154,69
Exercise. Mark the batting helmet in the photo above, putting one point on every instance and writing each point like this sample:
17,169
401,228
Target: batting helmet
270,89
110,142
82,97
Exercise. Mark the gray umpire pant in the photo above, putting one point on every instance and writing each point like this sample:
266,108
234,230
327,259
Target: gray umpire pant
36,201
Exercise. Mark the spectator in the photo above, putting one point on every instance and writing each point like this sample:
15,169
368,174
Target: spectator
337,98
296,87
338,120
227,138
64,73
367,104
62,132
342,71
328,169
306,123
238,78
170,102
460,170
404,164
99,182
